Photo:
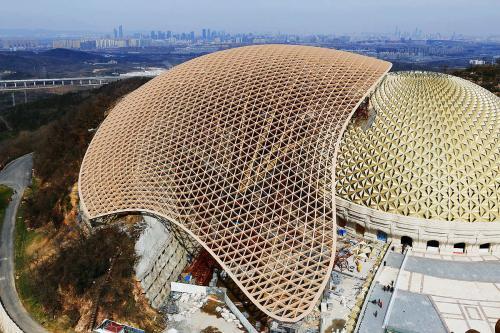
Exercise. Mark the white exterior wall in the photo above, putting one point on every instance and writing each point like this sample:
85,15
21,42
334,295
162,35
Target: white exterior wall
420,230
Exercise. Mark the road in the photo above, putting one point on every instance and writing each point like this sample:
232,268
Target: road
16,175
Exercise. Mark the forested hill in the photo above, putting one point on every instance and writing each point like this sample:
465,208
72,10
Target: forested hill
57,130
52,63
59,268
487,76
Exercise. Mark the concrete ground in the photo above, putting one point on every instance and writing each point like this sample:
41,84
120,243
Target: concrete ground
465,293
370,323
342,300
484,271
343,294
415,313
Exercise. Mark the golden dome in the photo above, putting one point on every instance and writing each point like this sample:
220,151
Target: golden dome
432,152
232,147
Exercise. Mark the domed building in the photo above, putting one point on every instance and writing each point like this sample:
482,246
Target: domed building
424,168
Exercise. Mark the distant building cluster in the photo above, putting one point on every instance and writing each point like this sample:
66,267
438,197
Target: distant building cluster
415,46
157,39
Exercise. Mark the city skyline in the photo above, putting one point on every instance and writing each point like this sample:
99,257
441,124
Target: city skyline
325,17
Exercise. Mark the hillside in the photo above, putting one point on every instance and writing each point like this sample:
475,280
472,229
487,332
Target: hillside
61,270
52,63
487,76
69,56
58,63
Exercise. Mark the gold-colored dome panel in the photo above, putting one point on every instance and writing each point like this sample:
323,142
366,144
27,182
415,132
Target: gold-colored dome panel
234,147
432,152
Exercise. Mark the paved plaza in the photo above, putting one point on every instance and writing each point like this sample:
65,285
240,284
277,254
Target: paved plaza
482,271
437,293
415,313
394,259
461,304
370,323
459,294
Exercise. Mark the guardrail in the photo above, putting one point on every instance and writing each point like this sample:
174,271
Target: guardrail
7,325
30,84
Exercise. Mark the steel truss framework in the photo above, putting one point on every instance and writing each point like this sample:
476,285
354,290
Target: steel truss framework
237,148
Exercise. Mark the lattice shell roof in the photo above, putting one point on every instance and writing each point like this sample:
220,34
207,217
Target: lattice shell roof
433,151
234,147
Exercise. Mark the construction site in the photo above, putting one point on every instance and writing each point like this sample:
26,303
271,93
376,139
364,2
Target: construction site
194,292
261,214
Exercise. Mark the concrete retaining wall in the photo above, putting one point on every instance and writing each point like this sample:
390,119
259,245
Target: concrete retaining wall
161,259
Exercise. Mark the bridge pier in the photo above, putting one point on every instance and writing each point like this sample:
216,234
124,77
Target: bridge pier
13,100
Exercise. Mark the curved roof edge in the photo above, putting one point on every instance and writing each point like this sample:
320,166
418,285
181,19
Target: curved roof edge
330,114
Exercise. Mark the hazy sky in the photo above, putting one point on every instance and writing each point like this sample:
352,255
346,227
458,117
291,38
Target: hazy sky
471,17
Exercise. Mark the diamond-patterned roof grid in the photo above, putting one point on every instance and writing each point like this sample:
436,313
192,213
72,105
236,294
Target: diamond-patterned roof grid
432,152
233,147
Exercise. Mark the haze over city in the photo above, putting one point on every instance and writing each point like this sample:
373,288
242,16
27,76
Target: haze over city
261,16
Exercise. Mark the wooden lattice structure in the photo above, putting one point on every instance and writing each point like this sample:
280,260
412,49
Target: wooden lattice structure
236,148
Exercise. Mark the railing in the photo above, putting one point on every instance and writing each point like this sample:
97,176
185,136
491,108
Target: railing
30,84
7,325
246,324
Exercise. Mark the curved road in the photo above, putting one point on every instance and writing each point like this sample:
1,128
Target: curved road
16,175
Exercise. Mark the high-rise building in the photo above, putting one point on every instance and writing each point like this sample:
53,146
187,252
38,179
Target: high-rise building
153,34
204,34
115,33
120,32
